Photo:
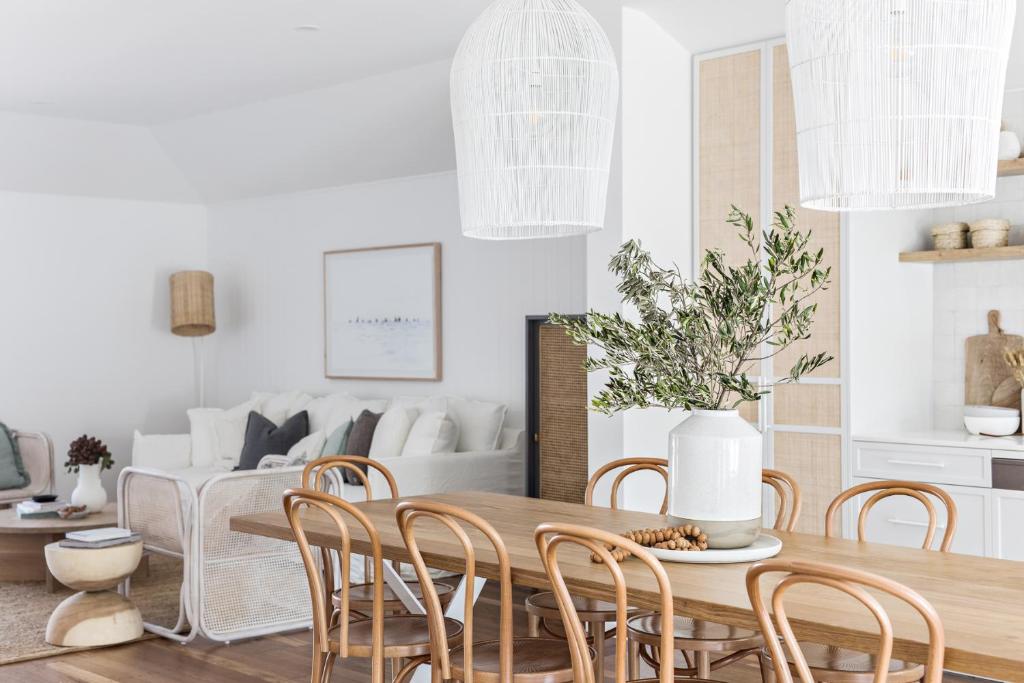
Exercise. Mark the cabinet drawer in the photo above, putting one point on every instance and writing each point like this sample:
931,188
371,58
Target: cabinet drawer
901,520
963,466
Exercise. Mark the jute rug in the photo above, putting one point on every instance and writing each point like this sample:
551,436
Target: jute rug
26,606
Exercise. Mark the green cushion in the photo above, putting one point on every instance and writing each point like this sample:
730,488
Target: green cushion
12,469
338,440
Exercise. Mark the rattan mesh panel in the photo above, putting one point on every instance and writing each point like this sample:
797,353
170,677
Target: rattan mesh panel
563,416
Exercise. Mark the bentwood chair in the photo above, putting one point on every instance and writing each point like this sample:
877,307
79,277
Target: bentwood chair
853,583
377,637
505,660
550,538
841,665
705,639
542,608
319,473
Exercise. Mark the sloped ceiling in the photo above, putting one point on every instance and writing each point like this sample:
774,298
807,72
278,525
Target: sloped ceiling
198,101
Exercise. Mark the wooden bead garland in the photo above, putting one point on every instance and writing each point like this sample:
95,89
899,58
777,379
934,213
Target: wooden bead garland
686,537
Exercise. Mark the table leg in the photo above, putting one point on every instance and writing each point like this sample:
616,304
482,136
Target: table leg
597,631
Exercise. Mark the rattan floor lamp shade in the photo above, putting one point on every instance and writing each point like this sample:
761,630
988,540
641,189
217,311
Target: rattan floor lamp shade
898,102
534,94
192,313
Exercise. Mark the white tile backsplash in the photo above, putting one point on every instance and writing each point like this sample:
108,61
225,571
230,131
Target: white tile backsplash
965,292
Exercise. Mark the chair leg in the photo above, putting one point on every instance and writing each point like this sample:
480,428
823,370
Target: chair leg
703,664
767,675
316,674
328,667
634,659
533,625
597,635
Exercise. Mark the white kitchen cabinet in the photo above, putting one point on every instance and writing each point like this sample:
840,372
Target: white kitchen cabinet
901,520
1008,524
990,521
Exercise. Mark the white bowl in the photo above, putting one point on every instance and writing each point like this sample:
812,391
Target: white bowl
990,411
992,426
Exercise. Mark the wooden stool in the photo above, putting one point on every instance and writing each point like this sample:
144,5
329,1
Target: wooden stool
379,637
839,665
549,539
508,659
824,663
96,615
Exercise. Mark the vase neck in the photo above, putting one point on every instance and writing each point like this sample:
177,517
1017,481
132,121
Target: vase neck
716,413
89,471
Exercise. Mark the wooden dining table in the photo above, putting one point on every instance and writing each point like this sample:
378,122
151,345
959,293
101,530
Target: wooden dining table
980,600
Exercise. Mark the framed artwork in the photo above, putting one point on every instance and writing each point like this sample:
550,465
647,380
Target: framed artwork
382,313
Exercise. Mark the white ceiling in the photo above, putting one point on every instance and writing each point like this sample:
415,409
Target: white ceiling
152,61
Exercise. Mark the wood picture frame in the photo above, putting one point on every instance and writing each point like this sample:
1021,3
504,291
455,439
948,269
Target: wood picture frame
382,313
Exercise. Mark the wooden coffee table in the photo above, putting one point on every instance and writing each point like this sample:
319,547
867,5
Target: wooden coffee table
22,542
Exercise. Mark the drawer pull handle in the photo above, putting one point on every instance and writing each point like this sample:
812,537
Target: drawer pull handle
908,522
916,463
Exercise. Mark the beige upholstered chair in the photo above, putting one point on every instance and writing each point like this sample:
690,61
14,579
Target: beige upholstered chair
36,451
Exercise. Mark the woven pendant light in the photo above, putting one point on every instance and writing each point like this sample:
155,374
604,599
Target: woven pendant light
534,90
898,102
192,312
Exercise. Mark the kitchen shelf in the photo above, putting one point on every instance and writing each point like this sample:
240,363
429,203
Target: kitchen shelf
1012,167
1012,252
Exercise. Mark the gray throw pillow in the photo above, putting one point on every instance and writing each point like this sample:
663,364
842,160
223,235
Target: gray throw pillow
12,469
338,440
359,440
263,437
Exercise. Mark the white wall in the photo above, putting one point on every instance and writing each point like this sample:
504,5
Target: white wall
889,322
86,344
965,292
267,257
656,195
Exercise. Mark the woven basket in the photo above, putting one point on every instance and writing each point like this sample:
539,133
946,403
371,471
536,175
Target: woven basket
990,232
950,235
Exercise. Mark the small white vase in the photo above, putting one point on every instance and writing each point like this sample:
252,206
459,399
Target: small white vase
89,491
714,470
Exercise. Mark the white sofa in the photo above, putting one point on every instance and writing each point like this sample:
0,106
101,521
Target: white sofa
236,585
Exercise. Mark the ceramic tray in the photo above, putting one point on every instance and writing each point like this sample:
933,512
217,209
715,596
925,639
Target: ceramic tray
764,547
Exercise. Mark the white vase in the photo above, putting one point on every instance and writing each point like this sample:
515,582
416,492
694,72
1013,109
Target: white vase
714,472
89,491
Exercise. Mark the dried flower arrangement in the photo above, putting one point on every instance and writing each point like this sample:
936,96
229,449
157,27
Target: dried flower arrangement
88,450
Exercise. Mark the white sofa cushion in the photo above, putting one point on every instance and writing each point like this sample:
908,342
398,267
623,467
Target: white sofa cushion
391,432
433,432
423,403
279,407
218,435
161,451
327,412
308,448
480,423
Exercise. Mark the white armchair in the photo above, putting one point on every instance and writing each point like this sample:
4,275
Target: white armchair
239,586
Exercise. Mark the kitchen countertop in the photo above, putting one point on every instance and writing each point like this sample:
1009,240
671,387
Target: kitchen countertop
950,438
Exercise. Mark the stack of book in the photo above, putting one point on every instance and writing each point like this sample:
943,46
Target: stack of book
100,538
30,509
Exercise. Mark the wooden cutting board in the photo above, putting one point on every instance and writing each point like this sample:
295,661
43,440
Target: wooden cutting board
988,380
